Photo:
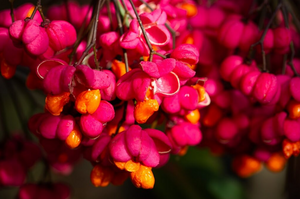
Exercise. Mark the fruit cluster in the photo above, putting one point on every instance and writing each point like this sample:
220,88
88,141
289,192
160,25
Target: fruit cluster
114,75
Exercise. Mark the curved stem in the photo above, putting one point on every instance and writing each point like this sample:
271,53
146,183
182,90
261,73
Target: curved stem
143,29
12,10
127,13
120,26
81,34
93,34
173,32
264,69
292,48
289,6
109,14
284,64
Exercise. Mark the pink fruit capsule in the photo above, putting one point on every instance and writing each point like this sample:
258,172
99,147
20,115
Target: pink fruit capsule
265,88
215,17
228,66
292,129
222,99
249,36
238,74
268,41
248,81
268,132
188,97
282,38
226,130
230,33
284,83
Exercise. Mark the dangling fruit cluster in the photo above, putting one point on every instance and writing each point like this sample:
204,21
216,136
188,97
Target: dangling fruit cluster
112,75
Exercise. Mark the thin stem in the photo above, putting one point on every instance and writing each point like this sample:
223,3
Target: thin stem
93,33
95,58
33,12
109,14
290,9
120,26
12,10
143,30
67,10
38,7
126,10
262,18
264,69
82,33
285,17
284,64
127,13
291,59
41,13
262,5
292,48
173,32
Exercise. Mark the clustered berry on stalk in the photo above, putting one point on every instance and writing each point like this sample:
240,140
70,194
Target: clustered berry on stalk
112,74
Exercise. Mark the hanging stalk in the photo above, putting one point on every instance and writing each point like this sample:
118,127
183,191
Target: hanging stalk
120,26
264,69
92,35
109,14
292,48
12,10
145,34
81,35
127,13
289,6
67,10
172,31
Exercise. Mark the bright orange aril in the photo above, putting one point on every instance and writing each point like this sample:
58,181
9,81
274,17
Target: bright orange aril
74,139
143,178
118,68
88,101
143,110
193,116
55,103
191,9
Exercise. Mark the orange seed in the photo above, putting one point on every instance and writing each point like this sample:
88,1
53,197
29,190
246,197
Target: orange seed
143,178
55,103
88,101
143,110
